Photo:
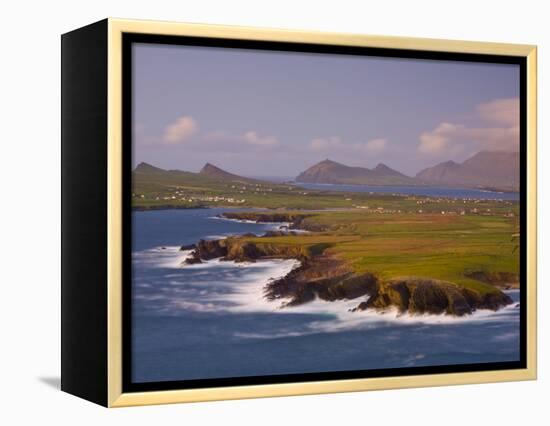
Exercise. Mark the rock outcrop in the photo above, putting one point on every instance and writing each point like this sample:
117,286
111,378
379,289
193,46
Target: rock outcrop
324,276
242,250
429,296
186,247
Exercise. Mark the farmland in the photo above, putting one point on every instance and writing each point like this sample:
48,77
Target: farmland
451,252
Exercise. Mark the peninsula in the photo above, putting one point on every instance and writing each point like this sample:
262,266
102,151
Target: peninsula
417,254
344,256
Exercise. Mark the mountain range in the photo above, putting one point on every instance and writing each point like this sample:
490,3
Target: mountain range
209,172
329,171
497,170
486,169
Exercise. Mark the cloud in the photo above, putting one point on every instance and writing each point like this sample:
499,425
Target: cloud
374,145
326,144
502,111
180,131
498,130
335,143
438,139
253,138
238,142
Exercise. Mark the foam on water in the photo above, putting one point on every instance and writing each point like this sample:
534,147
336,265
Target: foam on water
199,286
211,320
216,285
275,226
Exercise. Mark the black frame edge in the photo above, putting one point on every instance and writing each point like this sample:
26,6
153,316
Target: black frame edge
84,212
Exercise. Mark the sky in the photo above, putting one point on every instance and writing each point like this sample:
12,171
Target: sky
267,113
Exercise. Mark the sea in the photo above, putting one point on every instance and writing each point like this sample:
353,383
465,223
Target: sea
211,320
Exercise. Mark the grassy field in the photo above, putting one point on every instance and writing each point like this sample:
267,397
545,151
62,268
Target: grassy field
429,245
389,235
190,190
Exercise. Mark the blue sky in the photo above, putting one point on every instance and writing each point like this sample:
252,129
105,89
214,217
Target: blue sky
265,113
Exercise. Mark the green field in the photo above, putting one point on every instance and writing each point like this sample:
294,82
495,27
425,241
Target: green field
388,235
422,245
190,190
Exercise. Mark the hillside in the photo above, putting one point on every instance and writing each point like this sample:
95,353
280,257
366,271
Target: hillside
215,172
486,169
148,169
329,171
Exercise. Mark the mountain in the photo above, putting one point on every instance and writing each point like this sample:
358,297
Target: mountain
383,170
148,168
439,173
216,173
149,175
486,169
145,172
329,171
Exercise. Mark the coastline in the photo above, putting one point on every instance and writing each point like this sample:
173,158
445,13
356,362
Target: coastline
221,304
322,275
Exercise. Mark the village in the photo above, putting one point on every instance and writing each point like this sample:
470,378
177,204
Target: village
422,205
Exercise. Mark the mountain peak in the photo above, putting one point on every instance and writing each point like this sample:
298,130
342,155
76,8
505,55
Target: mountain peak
215,172
210,169
382,170
329,162
493,155
328,171
147,168
492,169
382,167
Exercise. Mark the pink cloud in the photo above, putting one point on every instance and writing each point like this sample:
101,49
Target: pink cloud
502,111
374,145
180,131
500,133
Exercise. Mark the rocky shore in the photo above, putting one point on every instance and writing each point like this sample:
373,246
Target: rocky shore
324,276
429,296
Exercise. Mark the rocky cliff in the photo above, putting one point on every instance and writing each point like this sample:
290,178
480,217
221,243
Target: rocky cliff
325,276
428,296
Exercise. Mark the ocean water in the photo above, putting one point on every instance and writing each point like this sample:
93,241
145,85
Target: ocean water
211,320
431,191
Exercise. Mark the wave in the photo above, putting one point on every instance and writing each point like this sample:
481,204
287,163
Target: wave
339,318
217,237
212,285
232,220
273,226
226,286
266,226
